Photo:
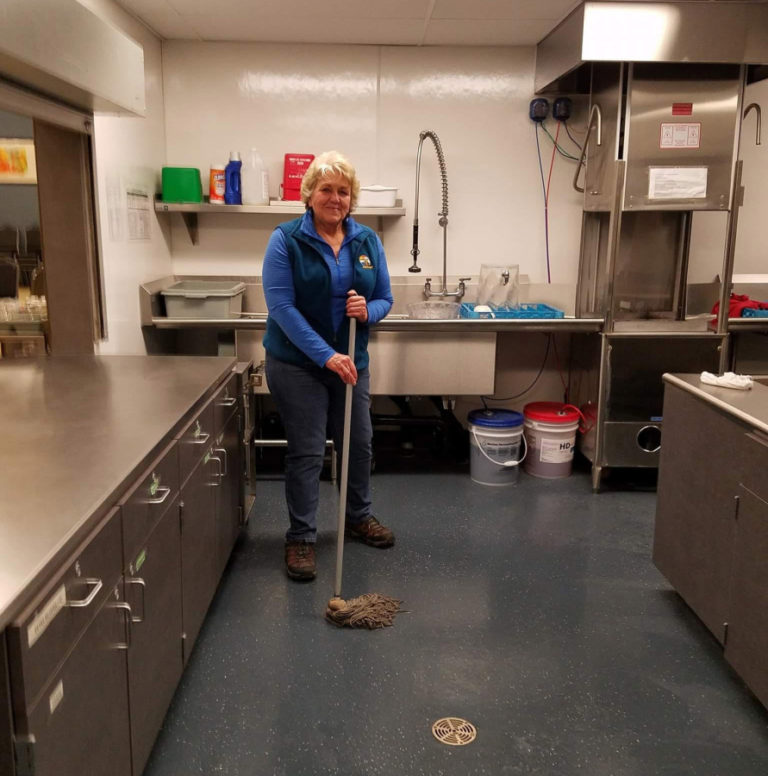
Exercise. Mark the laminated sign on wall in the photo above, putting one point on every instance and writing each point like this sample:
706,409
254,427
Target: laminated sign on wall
677,182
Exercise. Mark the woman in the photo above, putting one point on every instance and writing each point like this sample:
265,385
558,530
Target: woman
319,271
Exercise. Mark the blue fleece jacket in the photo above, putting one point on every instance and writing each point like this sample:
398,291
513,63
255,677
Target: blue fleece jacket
306,287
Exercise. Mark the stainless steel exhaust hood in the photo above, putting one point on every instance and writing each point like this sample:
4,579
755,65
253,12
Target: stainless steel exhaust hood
703,32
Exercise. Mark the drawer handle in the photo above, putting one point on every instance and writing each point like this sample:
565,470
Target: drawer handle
88,600
201,439
143,585
228,402
159,500
128,619
222,450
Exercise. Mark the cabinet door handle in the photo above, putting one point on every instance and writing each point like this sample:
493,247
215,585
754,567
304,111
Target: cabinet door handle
222,450
127,619
88,600
143,586
229,401
200,440
159,500
219,473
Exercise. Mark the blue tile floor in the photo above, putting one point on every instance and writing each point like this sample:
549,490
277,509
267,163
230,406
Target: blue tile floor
534,612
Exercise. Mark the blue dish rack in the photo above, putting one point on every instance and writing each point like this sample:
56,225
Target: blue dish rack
525,310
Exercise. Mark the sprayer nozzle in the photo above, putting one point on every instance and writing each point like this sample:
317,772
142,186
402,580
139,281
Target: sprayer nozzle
414,268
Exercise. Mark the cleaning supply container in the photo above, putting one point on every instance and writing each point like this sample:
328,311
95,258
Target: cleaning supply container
550,432
255,180
495,437
232,190
218,184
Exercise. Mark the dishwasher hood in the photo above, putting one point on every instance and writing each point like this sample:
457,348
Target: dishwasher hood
695,32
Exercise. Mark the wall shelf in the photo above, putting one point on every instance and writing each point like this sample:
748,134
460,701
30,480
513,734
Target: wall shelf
189,212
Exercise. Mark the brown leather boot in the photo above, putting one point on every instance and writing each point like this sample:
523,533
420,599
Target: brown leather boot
300,560
372,532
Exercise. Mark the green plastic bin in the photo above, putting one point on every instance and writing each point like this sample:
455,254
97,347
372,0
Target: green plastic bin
182,184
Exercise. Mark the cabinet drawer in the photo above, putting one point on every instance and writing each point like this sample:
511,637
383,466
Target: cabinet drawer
149,499
79,725
225,403
195,440
47,630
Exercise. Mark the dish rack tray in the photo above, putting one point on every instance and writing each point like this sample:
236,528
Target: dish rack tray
525,310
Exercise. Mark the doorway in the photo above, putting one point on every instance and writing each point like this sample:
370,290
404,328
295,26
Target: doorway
51,297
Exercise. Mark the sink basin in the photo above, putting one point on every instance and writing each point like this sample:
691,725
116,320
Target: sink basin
432,311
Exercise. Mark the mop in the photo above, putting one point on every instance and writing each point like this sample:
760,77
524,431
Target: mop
370,610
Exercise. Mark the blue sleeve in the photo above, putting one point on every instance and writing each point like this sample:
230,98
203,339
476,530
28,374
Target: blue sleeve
281,302
381,300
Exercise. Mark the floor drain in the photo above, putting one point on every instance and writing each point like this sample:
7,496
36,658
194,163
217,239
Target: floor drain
454,731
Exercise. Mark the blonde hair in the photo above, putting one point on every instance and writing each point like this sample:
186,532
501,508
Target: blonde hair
329,163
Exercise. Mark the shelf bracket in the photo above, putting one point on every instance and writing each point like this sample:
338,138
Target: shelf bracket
190,221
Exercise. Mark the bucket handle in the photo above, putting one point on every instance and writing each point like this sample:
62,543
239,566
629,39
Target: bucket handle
506,464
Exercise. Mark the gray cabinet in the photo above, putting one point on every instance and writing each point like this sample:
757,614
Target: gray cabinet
94,651
153,590
68,657
747,644
228,493
198,547
711,532
696,505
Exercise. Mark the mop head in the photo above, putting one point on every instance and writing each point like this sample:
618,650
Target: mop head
366,611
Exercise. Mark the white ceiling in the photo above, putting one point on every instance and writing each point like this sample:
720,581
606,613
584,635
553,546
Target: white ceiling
378,22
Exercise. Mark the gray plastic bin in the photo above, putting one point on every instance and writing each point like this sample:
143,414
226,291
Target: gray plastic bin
204,299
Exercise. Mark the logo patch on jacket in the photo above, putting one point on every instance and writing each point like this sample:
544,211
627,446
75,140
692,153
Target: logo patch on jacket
365,262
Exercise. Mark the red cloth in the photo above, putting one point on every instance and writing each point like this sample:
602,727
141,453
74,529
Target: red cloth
738,303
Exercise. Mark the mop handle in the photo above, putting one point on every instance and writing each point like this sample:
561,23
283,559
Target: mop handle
344,466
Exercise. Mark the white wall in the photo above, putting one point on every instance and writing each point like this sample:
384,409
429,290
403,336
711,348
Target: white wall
129,154
370,103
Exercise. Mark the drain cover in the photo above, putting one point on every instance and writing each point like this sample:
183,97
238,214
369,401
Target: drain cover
454,731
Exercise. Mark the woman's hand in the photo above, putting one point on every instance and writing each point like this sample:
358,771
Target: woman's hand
357,307
344,367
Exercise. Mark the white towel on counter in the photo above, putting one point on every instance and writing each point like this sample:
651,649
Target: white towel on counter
727,380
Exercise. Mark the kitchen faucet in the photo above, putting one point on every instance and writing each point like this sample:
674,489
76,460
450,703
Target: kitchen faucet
442,220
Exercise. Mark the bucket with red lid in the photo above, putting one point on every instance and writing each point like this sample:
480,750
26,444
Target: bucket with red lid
550,433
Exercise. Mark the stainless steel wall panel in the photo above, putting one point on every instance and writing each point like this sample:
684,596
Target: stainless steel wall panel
714,96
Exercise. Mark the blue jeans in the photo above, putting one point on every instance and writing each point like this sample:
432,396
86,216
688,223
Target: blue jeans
311,401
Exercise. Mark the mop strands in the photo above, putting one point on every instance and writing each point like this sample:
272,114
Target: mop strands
370,610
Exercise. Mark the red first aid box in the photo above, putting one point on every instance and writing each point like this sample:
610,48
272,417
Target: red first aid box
293,171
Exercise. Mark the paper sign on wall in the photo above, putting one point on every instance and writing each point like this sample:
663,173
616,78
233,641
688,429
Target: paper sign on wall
677,182
680,136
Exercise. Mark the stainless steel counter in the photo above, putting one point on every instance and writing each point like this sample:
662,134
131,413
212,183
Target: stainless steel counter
258,322
749,406
75,431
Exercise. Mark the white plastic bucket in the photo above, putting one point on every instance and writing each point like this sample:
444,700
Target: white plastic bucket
550,431
495,437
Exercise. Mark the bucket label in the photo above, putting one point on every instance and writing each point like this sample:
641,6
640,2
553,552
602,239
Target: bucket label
556,451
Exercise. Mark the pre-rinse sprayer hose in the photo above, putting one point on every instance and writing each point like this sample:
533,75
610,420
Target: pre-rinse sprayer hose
443,221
